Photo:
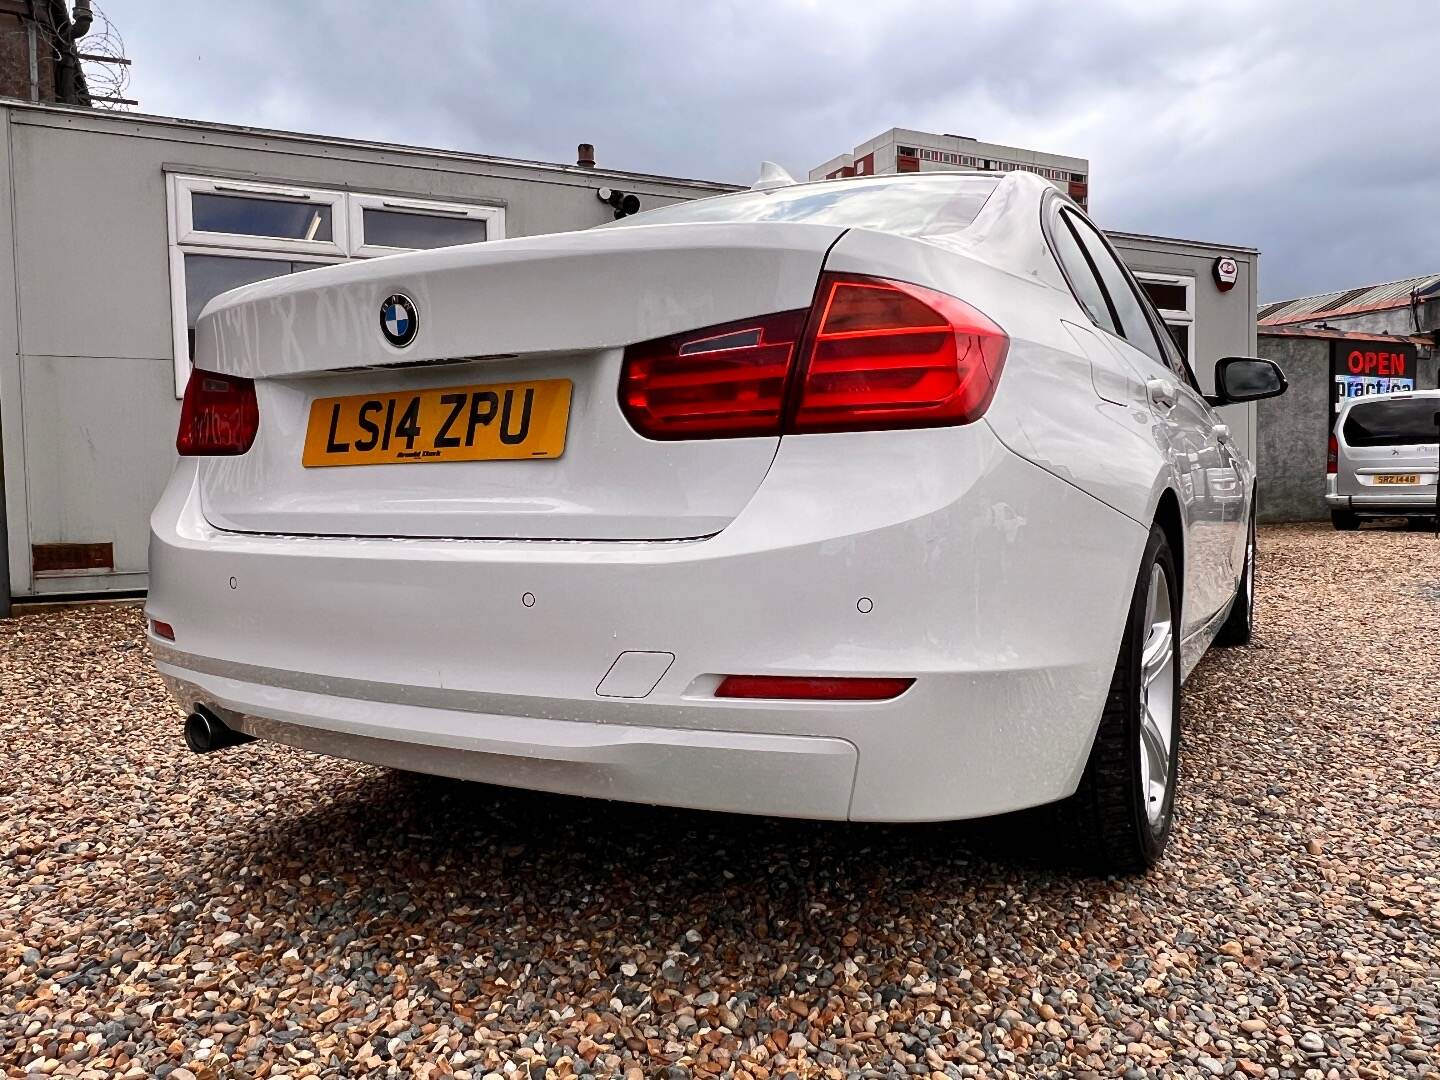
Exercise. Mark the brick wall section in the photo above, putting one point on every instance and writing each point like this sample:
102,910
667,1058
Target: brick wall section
15,54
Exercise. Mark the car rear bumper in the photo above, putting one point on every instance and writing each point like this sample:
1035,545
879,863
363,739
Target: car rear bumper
1383,503
783,775
1000,589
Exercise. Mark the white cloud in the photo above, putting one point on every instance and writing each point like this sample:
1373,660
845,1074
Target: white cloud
1291,126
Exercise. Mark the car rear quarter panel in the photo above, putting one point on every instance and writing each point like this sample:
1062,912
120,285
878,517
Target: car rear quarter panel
1046,409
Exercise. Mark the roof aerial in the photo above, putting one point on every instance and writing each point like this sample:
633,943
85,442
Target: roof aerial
772,176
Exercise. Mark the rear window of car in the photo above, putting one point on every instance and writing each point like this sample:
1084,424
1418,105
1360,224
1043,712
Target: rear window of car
1392,423
913,206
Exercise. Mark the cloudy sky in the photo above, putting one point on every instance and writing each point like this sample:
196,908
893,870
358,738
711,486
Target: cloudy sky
1295,126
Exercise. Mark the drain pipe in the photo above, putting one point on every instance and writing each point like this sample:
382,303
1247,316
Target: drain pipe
5,595
205,732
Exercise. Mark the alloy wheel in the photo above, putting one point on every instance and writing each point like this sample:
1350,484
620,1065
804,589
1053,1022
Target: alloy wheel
1250,569
1157,699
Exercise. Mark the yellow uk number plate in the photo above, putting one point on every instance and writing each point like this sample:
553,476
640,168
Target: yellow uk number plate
494,422
1397,478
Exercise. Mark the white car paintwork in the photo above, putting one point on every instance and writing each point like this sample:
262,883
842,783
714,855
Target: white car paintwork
992,562
554,306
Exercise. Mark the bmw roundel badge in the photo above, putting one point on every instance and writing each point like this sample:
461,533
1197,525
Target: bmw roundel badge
399,320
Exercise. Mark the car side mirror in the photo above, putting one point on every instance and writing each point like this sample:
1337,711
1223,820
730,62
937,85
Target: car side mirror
1246,378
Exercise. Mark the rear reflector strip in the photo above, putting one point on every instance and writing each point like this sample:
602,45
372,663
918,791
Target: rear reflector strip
162,629
800,687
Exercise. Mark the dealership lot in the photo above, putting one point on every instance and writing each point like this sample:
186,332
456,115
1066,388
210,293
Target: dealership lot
262,912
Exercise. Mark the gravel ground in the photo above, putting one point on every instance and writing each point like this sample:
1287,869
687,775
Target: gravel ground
261,912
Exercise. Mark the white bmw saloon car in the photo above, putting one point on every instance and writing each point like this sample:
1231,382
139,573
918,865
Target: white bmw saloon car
879,499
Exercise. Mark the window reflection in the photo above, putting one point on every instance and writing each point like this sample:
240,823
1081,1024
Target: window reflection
911,207
207,276
398,229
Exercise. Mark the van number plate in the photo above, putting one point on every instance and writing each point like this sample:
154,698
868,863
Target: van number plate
1397,478
494,422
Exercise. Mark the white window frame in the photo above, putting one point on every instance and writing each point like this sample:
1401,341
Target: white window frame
347,226
493,216
178,301
184,188
1175,316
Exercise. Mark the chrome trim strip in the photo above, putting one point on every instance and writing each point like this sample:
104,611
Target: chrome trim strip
1193,648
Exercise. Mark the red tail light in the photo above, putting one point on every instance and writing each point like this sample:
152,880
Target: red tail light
219,415
721,381
1332,459
888,354
871,353
819,689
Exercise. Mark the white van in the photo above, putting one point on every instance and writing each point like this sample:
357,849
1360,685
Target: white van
1384,458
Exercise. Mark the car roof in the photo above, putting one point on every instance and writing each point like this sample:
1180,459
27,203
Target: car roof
1381,399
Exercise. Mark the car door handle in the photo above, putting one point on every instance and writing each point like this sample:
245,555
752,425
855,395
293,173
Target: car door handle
1162,393
1221,432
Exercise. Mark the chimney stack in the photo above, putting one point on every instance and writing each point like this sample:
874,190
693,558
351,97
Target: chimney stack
585,156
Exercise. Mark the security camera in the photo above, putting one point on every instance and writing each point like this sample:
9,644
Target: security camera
624,203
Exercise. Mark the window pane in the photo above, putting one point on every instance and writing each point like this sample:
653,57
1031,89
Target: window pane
207,276
1082,278
1165,296
1180,334
1391,423
398,229
1175,343
1134,326
248,215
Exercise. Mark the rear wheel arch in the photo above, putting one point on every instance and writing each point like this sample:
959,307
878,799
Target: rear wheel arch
1170,520
1107,825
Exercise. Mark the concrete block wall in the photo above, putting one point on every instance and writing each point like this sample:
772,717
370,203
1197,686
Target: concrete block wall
1293,432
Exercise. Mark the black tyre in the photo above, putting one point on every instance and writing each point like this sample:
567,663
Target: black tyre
1119,819
1239,626
1344,520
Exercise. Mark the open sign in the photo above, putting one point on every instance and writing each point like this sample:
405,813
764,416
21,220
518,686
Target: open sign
1368,361
1363,368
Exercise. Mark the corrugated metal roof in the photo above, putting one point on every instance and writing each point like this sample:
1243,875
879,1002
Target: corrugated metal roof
1326,334
1389,294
